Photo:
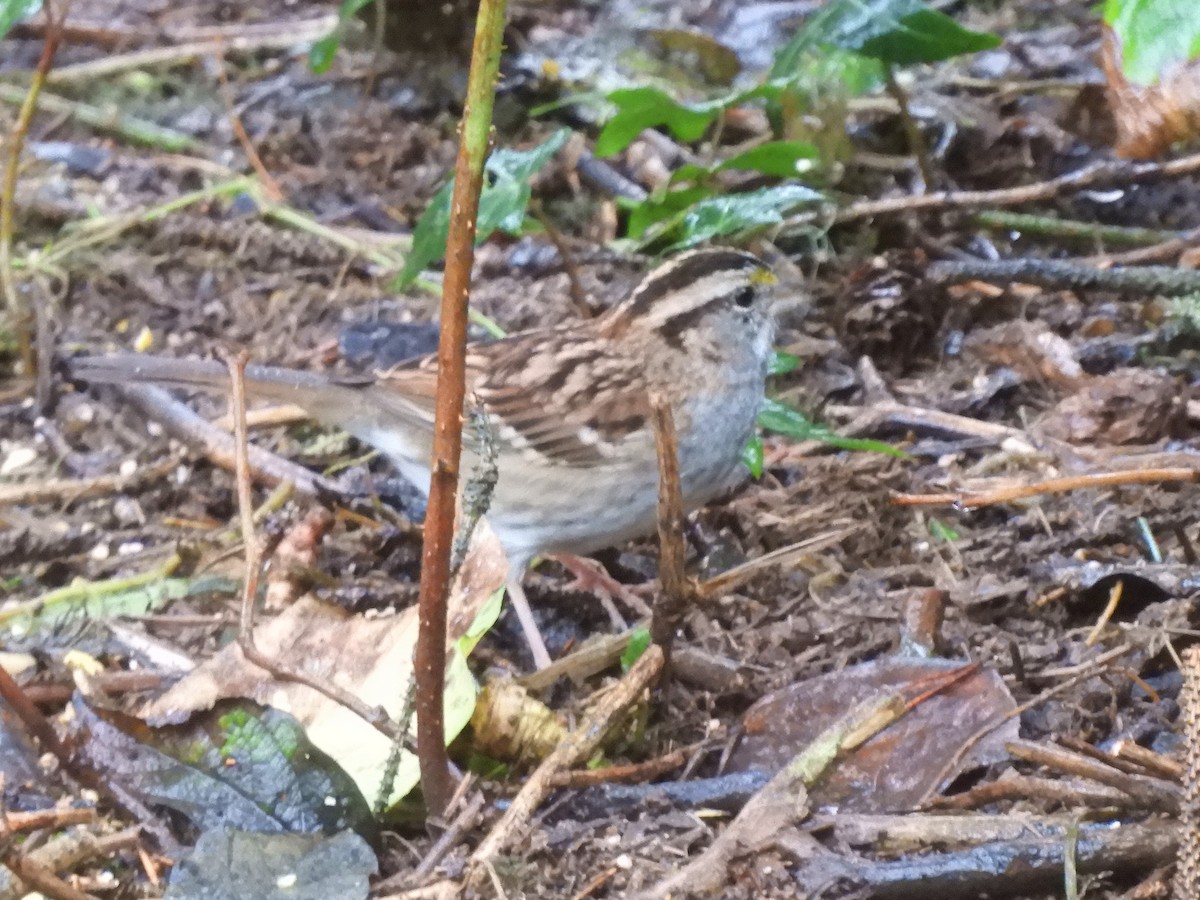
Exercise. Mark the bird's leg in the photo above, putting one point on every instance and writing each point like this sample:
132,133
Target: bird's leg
590,576
533,637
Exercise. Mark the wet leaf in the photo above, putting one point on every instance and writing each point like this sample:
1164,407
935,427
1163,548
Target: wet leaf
239,765
737,213
912,757
1127,406
502,203
13,11
899,32
1156,36
236,865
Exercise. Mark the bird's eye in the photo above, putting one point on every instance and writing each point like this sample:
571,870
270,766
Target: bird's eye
744,298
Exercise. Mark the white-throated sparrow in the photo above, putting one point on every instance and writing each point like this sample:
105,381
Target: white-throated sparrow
568,406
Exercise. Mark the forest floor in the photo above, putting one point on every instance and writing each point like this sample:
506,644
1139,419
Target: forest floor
985,384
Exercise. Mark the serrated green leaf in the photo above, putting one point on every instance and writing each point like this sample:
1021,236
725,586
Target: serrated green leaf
13,11
648,107
737,213
502,204
752,456
638,642
782,419
1156,35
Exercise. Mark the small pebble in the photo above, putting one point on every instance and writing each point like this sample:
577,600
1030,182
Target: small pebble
128,467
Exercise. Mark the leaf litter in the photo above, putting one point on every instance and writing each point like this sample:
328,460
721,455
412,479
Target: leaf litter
1086,379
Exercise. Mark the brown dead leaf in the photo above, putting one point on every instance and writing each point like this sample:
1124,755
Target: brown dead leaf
370,658
295,553
1128,406
897,768
1030,349
1150,119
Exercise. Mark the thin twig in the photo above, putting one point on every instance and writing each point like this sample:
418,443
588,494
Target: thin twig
1103,172
571,751
1049,486
269,185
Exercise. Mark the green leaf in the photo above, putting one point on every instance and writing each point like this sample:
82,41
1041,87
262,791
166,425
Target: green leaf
782,419
785,159
781,363
926,36
899,32
1156,35
752,456
721,216
502,204
661,207
648,107
320,56
638,642
13,11
942,531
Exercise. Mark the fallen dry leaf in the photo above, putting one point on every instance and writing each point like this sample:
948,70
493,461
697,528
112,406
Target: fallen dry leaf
370,658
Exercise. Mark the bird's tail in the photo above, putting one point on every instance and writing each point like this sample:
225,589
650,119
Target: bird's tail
306,389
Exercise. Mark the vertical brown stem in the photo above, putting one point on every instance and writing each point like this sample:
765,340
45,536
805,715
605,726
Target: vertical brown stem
677,591
430,661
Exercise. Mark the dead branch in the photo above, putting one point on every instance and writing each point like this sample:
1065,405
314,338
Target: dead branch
218,446
1059,275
